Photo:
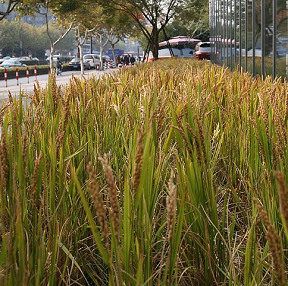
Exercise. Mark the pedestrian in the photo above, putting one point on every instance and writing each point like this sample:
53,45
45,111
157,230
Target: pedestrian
132,60
126,60
118,60
58,66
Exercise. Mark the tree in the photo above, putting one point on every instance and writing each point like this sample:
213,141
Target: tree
60,9
192,20
8,8
101,39
88,15
151,16
113,38
81,37
19,38
117,27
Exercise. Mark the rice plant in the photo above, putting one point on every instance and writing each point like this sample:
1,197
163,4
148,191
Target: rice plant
169,173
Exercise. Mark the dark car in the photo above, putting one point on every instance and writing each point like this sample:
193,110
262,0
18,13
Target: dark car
75,64
203,51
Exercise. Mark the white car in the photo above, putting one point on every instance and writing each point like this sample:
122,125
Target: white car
12,63
93,60
54,58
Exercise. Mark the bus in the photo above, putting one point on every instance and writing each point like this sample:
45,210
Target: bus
180,46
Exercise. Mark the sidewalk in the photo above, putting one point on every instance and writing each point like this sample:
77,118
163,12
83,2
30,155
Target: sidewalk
28,88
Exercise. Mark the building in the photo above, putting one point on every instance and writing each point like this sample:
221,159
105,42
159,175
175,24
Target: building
250,34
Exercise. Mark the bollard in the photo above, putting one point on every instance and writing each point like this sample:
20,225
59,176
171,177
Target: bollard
35,72
97,67
17,76
5,77
27,74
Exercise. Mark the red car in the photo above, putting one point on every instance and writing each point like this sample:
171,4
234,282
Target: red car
203,51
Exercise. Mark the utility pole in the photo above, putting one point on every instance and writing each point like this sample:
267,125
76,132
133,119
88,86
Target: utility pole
91,45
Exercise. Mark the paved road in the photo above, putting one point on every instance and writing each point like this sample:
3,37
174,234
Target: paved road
42,79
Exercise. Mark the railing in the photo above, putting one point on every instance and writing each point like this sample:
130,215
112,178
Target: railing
250,34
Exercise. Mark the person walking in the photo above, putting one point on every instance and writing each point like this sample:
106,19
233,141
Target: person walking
132,60
118,60
126,60
58,66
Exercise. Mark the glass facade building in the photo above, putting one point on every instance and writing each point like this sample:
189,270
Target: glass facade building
250,34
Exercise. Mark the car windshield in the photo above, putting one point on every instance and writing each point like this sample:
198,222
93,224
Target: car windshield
76,60
185,52
10,62
166,52
205,45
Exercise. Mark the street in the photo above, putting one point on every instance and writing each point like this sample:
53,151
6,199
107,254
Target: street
28,88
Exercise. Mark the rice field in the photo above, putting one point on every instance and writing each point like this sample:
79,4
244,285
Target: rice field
169,173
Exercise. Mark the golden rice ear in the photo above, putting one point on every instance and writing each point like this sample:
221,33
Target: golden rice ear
171,206
275,245
35,180
4,160
113,196
283,194
138,163
97,199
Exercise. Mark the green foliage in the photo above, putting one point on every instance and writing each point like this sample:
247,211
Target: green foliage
192,20
8,8
151,17
34,40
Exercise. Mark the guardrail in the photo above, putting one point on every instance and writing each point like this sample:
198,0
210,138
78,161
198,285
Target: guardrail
11,73
16,73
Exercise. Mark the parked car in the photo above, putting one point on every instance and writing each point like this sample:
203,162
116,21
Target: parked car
24,59
54,58
93,60
203,51
4,59
12,63
75,64
106,58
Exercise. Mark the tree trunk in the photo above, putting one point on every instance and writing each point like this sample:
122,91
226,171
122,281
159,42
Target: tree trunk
80,49
154,45
80,46
101,57
101,52
51,57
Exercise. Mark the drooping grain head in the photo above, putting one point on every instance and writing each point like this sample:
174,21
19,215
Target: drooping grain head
36,95
283,194
275,245
34,190
201,134
171,206
4,160
25,146
97,199
138,162
113,196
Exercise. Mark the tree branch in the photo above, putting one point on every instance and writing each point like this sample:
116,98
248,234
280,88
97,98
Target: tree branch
11,5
